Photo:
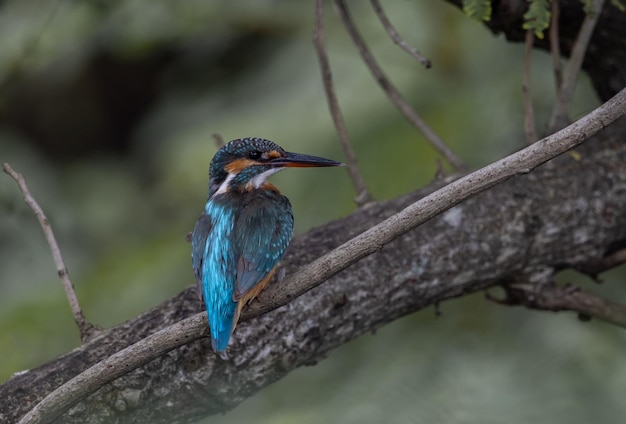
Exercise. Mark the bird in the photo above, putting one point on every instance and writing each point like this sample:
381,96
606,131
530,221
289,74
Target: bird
243,230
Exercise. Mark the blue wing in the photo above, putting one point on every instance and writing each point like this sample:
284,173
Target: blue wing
198,242
237,242
262,232
214,262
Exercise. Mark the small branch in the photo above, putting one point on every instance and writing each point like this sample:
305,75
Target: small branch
443,199
529,114
412,51
219,140
320,270
614,259
610,261
392,92
86,329
363,195
555,48
559,117
552,297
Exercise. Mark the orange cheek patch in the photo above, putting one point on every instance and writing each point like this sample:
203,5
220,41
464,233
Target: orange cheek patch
238,165
274,154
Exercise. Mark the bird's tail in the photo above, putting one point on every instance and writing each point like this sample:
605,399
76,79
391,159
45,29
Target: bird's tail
220,337
222,315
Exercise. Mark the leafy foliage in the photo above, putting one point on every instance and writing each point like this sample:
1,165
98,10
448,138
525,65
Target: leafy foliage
479,10
537,18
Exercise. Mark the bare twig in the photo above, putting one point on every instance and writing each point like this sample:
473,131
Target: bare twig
313,274
552,297
614,259
392,92
86,329
555,48
363,196
559,117
412,51
219,140
611,260
529,114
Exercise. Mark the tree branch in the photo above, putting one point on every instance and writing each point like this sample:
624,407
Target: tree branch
551,297
86,329
529,114
392,92
555,50
605,58
559,116
310,276
384,20
363,196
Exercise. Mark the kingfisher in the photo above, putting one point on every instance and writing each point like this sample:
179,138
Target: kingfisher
244,229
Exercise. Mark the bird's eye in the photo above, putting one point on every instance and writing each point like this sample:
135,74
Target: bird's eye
254,155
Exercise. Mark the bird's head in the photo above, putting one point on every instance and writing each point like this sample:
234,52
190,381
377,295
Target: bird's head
246,163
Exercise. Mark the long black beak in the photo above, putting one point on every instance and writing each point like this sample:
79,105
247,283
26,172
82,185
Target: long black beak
297,160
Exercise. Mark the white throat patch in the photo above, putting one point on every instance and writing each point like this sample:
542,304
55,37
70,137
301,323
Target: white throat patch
224,186
260,179
256,182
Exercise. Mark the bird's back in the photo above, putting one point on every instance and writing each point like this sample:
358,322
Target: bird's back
236,243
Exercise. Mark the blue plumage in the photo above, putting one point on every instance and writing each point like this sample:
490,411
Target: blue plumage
244,229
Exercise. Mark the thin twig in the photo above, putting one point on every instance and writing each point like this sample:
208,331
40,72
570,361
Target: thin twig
86,329
529,114
412,51
219,140
555,298
392,92
559,117
611,260
555,48
320,270
363,195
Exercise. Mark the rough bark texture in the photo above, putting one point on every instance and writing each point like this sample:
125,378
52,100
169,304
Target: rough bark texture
567,213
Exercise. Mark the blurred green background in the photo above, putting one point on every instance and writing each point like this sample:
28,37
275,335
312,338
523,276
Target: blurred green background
108,109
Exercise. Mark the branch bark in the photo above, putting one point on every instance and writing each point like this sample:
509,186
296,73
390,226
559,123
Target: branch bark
363,195
311,275
566,212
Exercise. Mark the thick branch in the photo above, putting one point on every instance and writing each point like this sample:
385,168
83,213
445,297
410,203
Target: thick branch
330,264
566,212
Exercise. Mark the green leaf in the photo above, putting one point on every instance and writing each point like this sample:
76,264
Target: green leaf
479,10
537,18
